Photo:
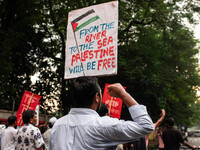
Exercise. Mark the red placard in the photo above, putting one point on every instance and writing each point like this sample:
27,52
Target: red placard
29,102
114,104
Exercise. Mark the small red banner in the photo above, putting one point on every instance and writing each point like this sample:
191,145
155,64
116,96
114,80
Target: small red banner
29,102
114,104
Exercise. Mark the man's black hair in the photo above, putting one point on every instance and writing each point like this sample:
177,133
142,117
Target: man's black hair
170,121
84,90
103,110
50,125
27,115
11,120
43,129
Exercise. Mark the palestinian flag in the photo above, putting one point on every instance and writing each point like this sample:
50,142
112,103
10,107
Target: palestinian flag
83,20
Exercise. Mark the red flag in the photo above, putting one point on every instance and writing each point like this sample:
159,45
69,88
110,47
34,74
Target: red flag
114,104
74,25
29,102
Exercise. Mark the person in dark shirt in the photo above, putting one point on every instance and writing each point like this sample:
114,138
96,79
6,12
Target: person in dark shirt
172,138
138,144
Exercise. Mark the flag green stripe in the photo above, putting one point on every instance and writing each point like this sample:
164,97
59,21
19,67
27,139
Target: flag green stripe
84,15
87,22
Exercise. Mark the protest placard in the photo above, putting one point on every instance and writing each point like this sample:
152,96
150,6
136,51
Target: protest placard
91,46
37,110
29,102
114,104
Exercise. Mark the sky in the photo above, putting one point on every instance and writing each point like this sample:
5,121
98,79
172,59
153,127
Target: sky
197,31
197,36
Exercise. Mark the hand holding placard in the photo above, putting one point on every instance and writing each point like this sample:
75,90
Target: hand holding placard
114,104
116,90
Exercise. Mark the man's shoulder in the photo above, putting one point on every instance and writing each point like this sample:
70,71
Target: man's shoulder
29,128
8,130
47,132
173,130
107,121
61,120
35,129
92,121
13,130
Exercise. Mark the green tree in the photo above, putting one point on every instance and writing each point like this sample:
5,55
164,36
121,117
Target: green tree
163,69
20,47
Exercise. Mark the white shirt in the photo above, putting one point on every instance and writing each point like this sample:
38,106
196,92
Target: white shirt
8,138
46,138
84,129
29,138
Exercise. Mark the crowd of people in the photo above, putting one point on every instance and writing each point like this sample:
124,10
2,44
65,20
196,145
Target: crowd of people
88,126
27,137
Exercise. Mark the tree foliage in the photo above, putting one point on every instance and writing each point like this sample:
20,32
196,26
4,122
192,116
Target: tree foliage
20,47
157,54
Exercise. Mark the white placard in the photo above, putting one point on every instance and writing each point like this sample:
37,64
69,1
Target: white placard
37,111
91,46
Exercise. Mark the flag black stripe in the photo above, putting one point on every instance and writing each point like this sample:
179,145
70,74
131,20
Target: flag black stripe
84,15
87,22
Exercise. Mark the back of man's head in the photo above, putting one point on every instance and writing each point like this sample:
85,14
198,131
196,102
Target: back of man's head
27,115
11,120
170,121
43,129
84,90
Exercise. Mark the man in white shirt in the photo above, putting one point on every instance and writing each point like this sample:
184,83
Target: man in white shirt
8,135
84,129
46,135
29,137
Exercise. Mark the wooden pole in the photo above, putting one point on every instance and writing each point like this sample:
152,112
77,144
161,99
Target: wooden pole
30,101
110,104
13,106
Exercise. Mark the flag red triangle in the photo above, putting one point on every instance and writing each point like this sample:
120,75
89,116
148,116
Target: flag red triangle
74,25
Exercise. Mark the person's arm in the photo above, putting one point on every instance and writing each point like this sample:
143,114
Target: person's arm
188,145
160,120
116,90
142,121
39,142
156,133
